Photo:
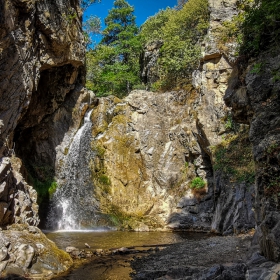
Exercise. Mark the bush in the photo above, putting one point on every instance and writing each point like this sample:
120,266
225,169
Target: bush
255,28
197,183
181,31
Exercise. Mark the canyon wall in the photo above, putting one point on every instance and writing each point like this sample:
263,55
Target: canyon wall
149,148
41,79
145,152
254,98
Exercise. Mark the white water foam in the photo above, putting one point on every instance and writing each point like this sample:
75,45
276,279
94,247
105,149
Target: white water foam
73,206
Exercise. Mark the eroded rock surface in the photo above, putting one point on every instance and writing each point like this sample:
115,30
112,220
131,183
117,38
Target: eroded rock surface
25,250
254,98
41,60
148,148
17,199
41,79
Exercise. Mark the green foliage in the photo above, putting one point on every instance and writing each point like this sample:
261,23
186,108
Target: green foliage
91,27
139,87
100,151
233,156
104,180
151,30
230,125
124,220
180,4
86,3
52,188
272,147
120,24
276,76
197,183
256,68
261,27
42,179
180,31
113,67
256,27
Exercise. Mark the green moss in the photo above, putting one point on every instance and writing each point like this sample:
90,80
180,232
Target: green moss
234,157
100,150
52,188
255,28
66,150
272,147
124,220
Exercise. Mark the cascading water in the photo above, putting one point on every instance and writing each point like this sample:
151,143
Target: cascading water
73,205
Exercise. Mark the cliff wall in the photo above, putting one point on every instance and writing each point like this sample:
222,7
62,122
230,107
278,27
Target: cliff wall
254,98
149,148
41,78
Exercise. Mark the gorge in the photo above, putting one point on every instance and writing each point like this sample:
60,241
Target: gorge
202,158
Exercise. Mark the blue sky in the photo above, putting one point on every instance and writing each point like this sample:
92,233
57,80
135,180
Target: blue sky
142,9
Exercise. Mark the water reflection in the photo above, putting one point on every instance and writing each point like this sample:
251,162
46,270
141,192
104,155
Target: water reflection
114,239
115,267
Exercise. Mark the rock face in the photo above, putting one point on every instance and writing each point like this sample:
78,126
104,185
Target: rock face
42,98
149,57
41,47
25,250
149,147
17,199
147,150
254,98
41,82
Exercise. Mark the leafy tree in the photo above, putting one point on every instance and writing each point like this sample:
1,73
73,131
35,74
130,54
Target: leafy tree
86,3
255,28
261,27
113,66
181,31
151,30
180,4
91,27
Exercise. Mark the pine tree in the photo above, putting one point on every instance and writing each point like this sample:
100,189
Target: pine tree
118,53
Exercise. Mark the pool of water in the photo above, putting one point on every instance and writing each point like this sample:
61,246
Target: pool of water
114,239
116,267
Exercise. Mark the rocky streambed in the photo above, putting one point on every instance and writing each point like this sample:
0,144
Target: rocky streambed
197,257
217,257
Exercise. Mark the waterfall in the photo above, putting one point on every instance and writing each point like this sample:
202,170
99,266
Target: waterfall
73,205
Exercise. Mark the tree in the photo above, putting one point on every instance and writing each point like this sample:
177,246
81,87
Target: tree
116,57
180,30
91,27
86,3
180,4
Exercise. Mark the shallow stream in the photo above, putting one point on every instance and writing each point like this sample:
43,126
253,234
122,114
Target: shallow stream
115,267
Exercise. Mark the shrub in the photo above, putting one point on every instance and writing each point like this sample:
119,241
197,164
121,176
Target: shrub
256,27
197,183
